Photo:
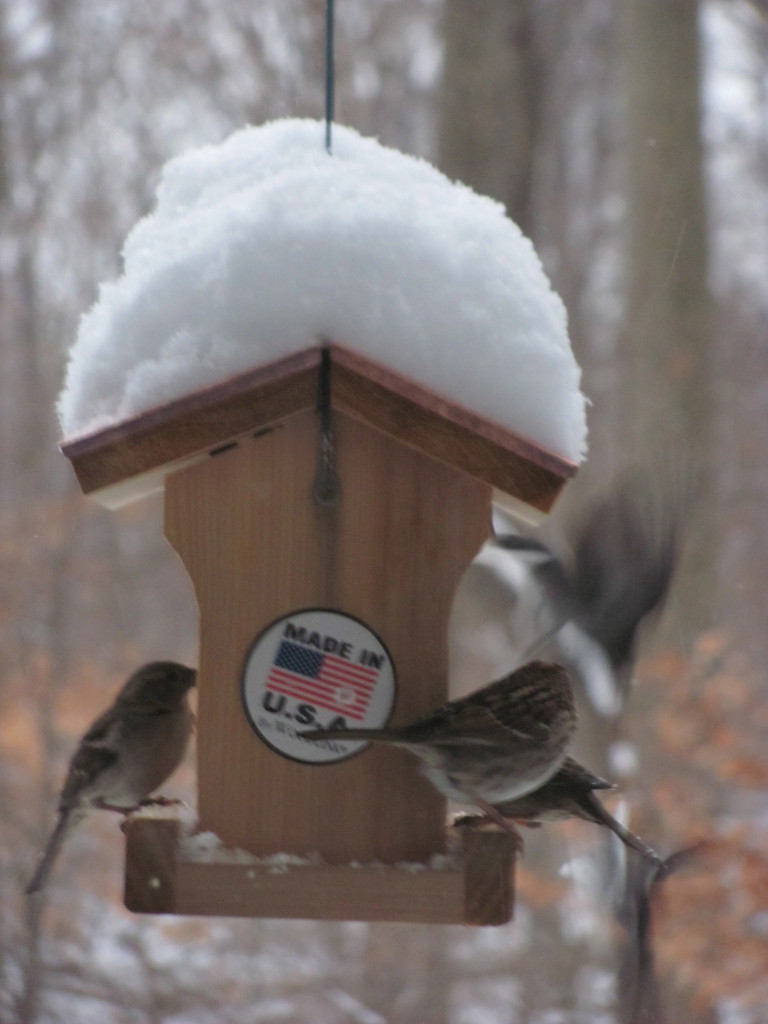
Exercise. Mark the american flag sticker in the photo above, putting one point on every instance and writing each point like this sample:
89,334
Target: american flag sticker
330,682
316,668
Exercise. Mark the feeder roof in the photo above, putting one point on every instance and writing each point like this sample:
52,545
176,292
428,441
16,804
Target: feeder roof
261,248
130,460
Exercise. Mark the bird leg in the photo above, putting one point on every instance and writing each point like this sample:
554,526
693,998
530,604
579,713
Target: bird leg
493,814
478,820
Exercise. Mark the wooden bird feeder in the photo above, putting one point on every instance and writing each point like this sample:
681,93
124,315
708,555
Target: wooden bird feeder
239,465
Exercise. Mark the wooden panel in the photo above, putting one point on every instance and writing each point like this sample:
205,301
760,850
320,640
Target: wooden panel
151,850
391,552
478,892
446,431
169,435
489,884
324,893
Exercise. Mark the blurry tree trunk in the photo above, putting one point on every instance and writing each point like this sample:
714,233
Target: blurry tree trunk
505,114
667,388
739,153
488,100
578,186
666,347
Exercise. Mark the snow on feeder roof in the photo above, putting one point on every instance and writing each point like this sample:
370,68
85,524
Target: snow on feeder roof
264,246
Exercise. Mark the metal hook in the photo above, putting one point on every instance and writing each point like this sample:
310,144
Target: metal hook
327,488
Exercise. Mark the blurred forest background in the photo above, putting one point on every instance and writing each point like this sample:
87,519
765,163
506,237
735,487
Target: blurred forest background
630,141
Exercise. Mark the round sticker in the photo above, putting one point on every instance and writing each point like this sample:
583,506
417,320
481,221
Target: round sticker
317,669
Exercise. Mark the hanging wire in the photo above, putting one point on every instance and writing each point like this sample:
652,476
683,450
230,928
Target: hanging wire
330,82
327,488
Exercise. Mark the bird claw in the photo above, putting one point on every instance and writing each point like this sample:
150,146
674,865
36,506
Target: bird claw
469,820
161,801
490,816
493,815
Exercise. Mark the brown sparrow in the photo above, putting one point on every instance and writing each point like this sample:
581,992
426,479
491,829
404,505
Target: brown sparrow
128,752
495,744
569,793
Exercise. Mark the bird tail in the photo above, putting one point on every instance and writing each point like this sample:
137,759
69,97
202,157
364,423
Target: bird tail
372,735
629,839
67,821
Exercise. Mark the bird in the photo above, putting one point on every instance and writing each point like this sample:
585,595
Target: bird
625,557
521,599
495,744
569,793
126,754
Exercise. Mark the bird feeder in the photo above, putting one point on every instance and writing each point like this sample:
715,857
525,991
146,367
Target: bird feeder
325,509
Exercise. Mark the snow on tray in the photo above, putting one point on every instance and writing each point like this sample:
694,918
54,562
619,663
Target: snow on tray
208,848
265,245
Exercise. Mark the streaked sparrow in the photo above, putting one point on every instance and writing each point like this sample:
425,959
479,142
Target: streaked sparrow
569,793
495,744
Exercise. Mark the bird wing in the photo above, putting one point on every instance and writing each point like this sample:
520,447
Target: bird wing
525,591
97,752
573,773
472,724
625,556
522,707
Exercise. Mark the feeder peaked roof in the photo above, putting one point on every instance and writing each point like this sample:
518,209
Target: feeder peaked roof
264,245
130,460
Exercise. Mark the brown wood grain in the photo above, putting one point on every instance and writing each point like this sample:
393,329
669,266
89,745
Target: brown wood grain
489,884
391,553
326,893
151,847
